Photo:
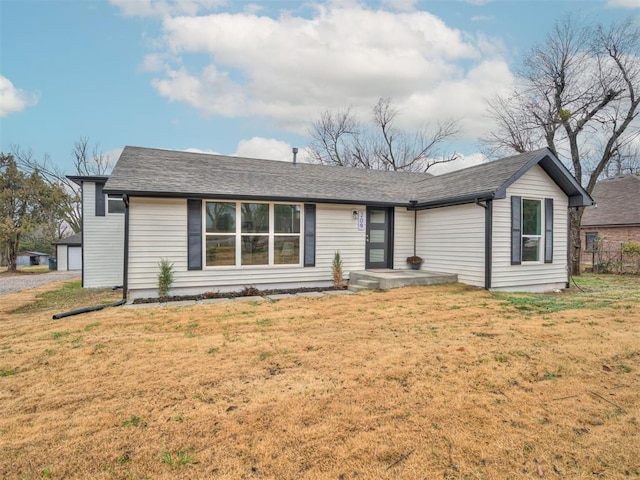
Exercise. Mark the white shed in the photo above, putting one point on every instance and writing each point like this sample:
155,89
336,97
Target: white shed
69,253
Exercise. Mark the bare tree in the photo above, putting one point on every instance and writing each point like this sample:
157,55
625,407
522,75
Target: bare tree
578,94
339,138
87,160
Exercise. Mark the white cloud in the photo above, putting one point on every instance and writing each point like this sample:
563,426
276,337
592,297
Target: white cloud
290,68
401,5
623,3
463,161
13,99
267,148
199,150
163,8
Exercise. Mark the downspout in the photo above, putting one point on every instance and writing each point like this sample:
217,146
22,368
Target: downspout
488,240
568,284
488,244
415,231
125,260
415,225
125,269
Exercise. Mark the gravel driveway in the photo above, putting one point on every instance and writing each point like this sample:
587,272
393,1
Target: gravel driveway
16,283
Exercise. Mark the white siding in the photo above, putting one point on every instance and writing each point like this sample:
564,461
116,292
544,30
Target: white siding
451,240
534,184
403,230
158,229
102,242
61,258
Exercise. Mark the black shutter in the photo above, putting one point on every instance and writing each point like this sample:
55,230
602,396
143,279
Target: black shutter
309,235
100,203
194,233
548,230
516,230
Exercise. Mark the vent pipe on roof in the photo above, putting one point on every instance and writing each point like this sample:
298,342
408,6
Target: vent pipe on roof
295,154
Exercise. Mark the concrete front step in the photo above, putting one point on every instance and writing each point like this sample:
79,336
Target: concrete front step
352,287
386,278
364,284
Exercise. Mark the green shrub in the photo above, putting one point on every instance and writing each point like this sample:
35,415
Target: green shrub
165,277
632,249
336,268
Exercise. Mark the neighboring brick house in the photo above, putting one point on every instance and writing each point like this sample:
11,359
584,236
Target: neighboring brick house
615,219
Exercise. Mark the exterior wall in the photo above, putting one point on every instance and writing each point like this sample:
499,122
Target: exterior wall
608,256
451,240
534,184
61,258
102,242
158,229
403,235
612,237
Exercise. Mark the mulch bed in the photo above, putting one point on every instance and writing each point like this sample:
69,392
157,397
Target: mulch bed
246,292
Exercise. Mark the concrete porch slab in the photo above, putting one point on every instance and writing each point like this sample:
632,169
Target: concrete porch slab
388,278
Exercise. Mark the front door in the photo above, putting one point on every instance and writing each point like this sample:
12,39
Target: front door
379,237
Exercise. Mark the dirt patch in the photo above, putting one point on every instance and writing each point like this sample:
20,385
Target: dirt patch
420,382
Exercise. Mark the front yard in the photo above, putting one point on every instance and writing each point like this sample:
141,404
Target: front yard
420,382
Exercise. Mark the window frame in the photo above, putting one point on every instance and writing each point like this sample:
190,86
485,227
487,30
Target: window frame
540,237
239,234
107,198
594,237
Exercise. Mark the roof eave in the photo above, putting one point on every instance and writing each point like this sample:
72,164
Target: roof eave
79,179
263,198
578,196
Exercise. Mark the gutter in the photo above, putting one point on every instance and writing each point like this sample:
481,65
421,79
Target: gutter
449,202
95,308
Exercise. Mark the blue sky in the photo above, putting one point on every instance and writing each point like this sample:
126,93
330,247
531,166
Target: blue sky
247,78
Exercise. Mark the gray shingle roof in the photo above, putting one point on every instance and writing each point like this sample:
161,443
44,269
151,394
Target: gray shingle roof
75,239
148,171
480,180
618,202
152,172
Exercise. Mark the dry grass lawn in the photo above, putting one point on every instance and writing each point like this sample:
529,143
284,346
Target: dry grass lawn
420,382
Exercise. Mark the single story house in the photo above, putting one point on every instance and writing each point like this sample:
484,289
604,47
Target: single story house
616,217
30,259
229,222
69,253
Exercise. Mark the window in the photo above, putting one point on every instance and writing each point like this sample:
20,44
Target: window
286,242
531,230
529,242
591,241
266,234
220,233
115,204
255,220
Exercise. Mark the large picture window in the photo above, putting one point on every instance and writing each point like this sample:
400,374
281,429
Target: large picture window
531,230
255,221
220,233
266,234
286,241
